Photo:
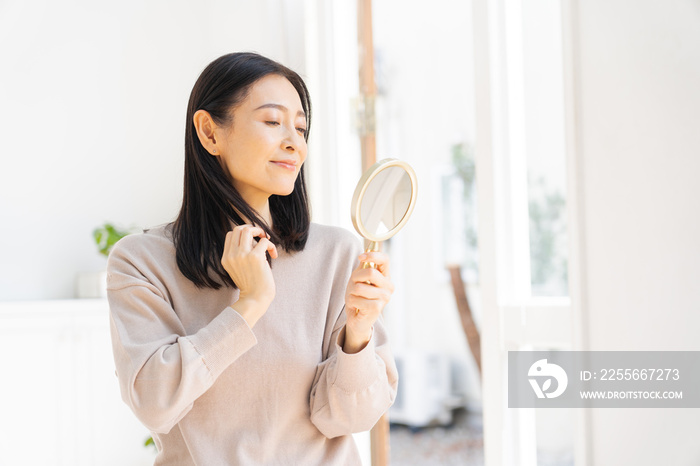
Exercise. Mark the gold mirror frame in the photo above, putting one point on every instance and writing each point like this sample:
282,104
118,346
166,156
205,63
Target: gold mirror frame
361,188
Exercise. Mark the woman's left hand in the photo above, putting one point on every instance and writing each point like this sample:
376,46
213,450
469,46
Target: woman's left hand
368,291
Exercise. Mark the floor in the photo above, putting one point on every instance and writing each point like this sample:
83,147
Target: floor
460,444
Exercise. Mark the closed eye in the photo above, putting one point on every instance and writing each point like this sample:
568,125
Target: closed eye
272,123
302,131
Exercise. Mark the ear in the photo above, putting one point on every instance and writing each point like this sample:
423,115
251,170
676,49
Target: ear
206,131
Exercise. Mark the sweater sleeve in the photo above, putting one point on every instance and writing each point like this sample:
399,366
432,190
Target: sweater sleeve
161,370
351,391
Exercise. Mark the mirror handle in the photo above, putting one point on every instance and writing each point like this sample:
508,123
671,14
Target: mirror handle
372,247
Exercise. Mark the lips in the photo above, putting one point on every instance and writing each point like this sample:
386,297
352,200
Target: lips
289,164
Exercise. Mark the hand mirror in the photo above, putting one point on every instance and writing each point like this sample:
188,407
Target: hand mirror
383,201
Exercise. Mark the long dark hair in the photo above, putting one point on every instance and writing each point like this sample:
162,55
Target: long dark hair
210,202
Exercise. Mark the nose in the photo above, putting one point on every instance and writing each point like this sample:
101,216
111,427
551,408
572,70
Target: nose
292,141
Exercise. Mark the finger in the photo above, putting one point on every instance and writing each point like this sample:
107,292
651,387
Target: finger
373,276
229,240
379,259
247,234
366,307
272,249
373,288
362,314
265,245
371,292
236,234
252,229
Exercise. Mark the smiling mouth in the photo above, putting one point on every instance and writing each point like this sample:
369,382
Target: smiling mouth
286,164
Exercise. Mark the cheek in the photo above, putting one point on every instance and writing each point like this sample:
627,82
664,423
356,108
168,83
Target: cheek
303,151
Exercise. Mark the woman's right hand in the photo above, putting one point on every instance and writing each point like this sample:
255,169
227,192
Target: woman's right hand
246,263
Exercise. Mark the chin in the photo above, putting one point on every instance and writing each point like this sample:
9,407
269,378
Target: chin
282,186
287,192
284,191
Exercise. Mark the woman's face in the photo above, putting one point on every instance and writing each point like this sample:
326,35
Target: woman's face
264,148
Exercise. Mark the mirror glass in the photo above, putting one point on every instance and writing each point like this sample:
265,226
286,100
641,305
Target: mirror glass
386,200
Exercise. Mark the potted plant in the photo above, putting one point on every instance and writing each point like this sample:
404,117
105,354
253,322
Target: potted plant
106,236
94,284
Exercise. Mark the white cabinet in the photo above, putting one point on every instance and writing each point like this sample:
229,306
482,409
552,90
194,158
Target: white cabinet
59,398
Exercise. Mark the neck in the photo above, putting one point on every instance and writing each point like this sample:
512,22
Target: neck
264,212
262,208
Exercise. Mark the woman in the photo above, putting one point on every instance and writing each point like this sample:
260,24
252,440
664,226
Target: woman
241,333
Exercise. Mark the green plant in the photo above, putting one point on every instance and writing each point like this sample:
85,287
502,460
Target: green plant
150,443
464,166
463,161
548,264
106,236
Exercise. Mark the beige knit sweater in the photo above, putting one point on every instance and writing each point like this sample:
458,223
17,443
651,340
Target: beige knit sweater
214,391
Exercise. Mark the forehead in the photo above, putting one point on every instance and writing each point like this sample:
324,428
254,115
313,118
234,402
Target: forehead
273,89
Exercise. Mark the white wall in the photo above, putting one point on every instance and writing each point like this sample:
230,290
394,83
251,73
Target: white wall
93,98
638,150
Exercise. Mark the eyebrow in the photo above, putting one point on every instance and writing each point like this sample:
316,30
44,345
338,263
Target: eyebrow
280,107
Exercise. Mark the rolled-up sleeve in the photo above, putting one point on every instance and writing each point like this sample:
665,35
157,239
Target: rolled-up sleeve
352,391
